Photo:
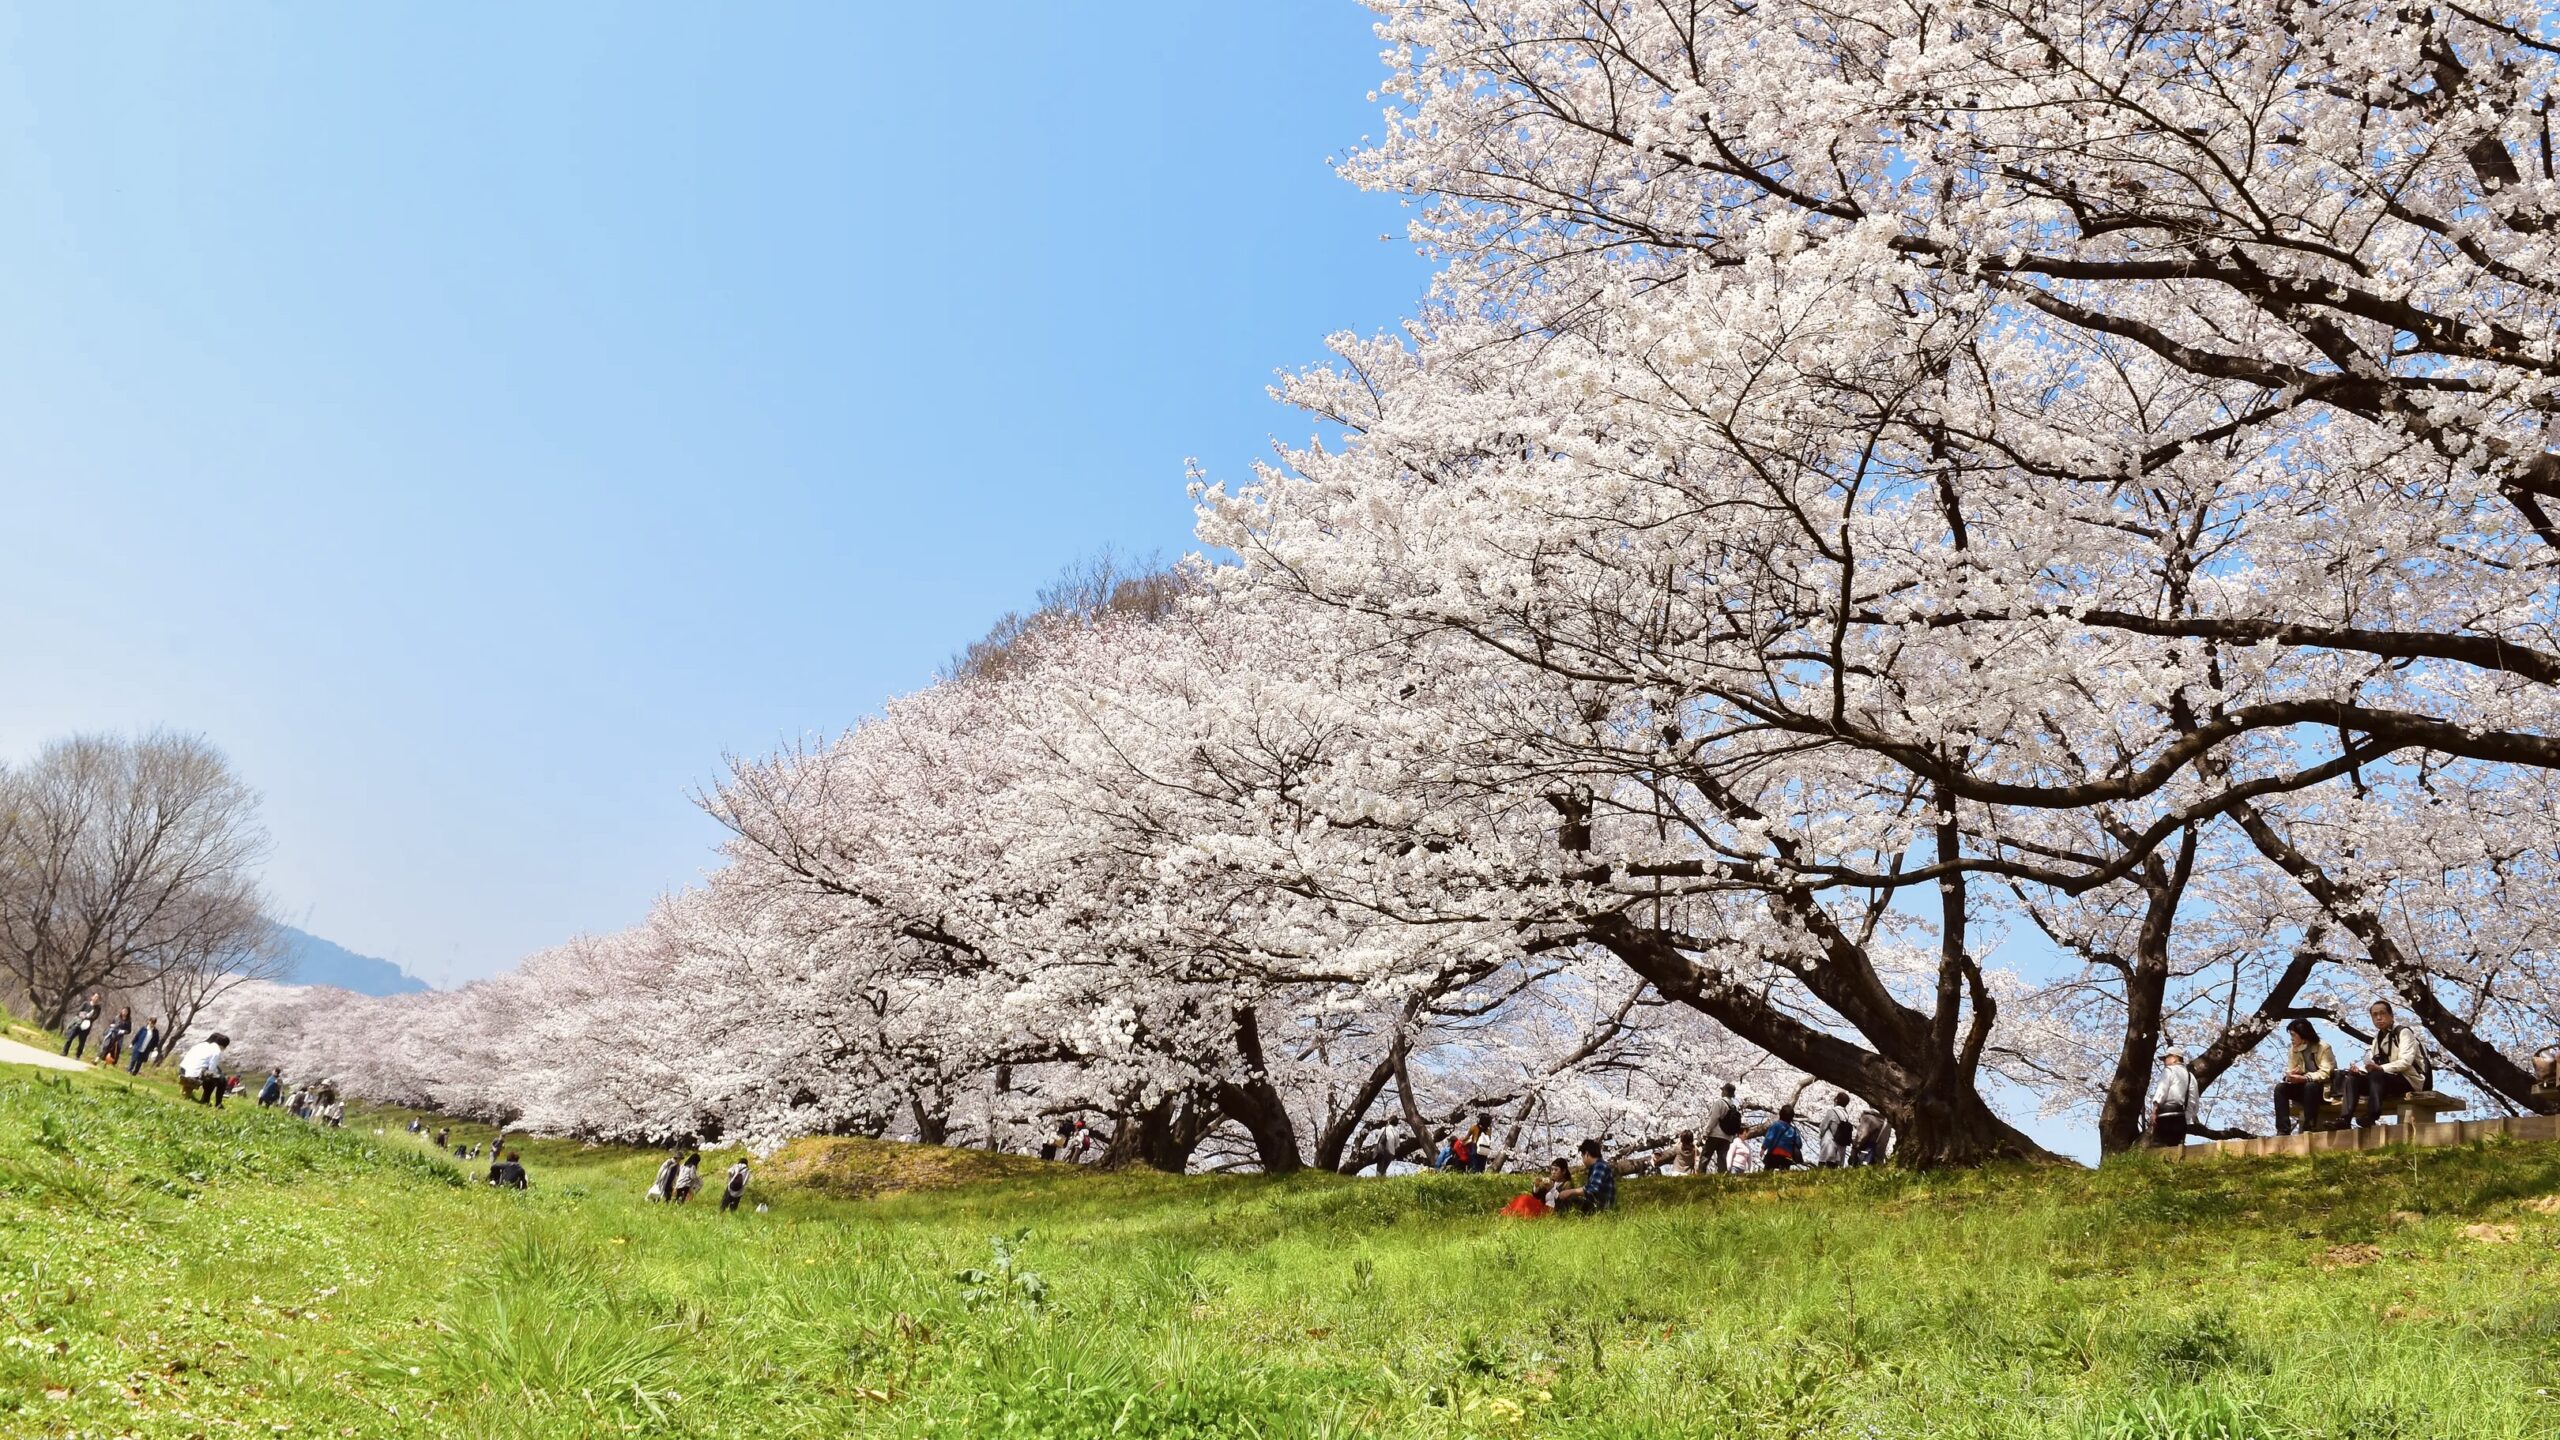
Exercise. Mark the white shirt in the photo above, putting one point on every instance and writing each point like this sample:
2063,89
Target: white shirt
200,1061
2177,1089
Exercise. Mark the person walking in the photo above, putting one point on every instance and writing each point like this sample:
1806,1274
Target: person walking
1724,1126
1867,1138
200,1070
75,1032
1834,1127
2173,1101
664,1187
2309,1066
145,1042
271,1092
688,1177
1781,1143
2393,1065
111,1049
736,1189
334,1114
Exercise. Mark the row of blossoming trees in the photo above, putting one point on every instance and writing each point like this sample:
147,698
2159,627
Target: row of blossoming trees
1877,489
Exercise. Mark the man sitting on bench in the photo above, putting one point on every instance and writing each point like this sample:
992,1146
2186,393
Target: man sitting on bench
2393,1066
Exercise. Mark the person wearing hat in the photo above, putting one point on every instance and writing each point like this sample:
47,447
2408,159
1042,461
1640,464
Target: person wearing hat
2173,1100
200,1070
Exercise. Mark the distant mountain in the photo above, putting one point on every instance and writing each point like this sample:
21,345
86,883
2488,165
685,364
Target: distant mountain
310,960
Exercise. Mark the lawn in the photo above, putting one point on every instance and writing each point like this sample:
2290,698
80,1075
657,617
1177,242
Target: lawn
168,1270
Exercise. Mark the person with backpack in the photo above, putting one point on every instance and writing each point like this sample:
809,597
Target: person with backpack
2173,1101
736,1188
1781,1143
273,1090
664,1187
2395,1064
507,1172
1834,1129
2309,1065
1867,1136
1724,1126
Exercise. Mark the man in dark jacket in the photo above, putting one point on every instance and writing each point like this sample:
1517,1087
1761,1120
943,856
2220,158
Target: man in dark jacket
146,1043
508,1173
75,1032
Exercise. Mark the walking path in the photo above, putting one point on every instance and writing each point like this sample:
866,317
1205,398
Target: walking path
14,1053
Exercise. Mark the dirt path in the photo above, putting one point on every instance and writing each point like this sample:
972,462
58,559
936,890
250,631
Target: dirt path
14,1053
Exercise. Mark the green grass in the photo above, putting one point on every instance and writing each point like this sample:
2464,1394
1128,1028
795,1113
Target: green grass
167,1270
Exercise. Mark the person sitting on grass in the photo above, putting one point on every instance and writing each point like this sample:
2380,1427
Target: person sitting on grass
508,1173
2308,1066
1781,1143
2173,1100
1541,1201
1599,1188
2393,1065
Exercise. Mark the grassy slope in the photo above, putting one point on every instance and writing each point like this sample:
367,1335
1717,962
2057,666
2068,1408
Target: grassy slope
166,1270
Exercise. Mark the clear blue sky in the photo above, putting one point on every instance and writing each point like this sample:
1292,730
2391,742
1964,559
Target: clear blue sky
478,419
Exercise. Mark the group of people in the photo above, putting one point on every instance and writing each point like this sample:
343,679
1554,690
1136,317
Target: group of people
506,1166
681,1176
124,1043
1560,1194
1841,1135
320,1105
1072,1141
2395,1065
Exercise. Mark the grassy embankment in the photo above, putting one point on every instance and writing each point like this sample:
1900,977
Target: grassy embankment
167,1270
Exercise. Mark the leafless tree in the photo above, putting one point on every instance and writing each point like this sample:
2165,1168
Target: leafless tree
128,865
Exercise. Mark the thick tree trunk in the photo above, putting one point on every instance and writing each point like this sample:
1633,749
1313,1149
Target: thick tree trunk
1939,1116
1160,1136
2146,986
933,1123
1255,1103
1333,1146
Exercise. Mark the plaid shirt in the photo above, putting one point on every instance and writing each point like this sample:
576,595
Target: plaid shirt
1600,1185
